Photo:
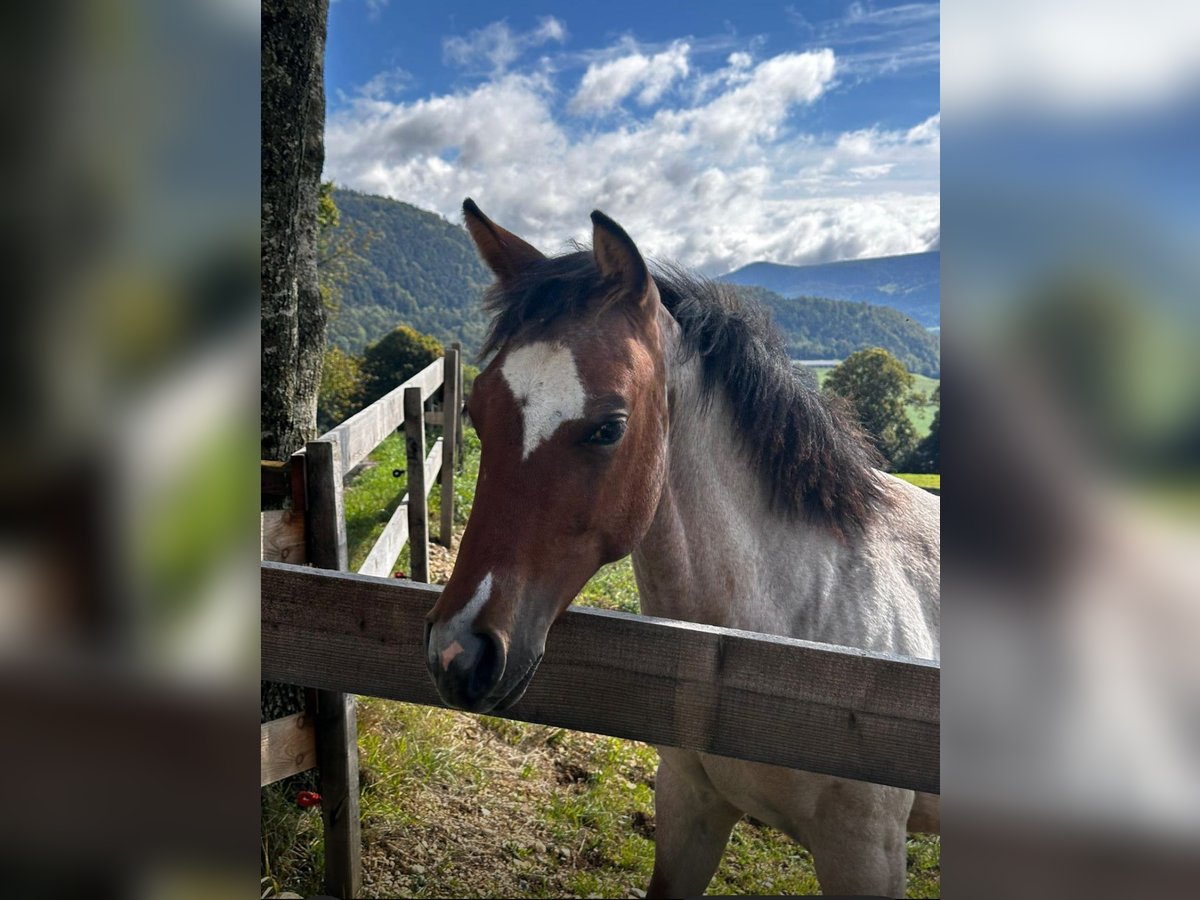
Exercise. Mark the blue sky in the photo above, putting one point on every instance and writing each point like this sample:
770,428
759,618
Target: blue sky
718,134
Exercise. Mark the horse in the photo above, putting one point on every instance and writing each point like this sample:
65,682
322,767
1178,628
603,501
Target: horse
654,413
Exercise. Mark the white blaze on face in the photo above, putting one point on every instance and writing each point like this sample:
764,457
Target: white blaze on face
544,379
459,623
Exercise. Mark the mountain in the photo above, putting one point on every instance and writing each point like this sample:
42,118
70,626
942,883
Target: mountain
422,270
910,284
816,328
418,270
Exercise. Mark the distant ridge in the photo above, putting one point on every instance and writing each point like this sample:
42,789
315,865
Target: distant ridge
422,270
818,329
910,284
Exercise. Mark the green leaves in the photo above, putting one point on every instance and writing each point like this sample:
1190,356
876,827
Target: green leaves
878,387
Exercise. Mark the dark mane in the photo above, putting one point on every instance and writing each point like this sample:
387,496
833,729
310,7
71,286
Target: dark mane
545,292
814,460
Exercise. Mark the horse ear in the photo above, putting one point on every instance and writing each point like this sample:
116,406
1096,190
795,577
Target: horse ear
505,253
617,256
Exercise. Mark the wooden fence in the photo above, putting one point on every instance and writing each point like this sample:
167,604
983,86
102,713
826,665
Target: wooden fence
312,529
769,699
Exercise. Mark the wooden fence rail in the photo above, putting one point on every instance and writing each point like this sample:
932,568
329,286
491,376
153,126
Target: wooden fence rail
768,699
368,428
391,541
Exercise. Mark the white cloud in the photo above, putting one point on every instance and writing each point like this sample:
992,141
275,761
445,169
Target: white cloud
878,41
892,16
375,9
756,109
386,83
499,45
929,131
550,29
724,179
923,138
605,85
876,171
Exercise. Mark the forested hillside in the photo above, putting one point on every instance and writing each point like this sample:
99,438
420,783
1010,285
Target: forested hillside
421,270
815,328
418,269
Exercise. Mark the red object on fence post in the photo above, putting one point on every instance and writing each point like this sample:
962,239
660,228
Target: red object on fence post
308,799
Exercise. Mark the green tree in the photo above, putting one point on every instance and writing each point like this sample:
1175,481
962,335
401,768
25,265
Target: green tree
878,386
341,246
927,455
395,358
341,388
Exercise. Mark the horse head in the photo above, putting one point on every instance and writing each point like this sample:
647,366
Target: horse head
572,418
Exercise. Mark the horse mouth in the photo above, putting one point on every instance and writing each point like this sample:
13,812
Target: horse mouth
513,696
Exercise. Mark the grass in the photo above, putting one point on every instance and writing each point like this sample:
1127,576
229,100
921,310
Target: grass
375,493
923,481
455,805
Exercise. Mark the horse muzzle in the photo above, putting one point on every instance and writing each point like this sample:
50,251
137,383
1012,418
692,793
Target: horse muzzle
466,668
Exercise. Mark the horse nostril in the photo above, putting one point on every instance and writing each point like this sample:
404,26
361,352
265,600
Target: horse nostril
488,669
428,629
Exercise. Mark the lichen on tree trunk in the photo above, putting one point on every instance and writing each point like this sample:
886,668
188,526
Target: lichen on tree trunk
293,153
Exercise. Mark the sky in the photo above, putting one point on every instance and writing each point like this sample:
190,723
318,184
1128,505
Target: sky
717,134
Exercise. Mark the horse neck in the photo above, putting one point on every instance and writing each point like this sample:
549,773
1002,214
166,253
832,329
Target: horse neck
719,554
713,548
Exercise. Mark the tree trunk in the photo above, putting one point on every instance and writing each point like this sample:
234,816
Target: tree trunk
293,317
293,153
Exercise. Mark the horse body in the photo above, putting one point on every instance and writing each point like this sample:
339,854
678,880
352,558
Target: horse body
717,554
624,413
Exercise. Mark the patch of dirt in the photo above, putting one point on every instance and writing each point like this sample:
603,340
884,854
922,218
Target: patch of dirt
441,560
642,824
570,773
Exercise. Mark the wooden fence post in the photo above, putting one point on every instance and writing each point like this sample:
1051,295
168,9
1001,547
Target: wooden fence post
336,726
449,443
418,509
458,405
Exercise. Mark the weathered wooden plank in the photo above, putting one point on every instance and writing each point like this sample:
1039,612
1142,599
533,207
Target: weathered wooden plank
367,428
326,513
391,540
336,728
450,438
337,758
457,406
418,509
816,707
433,465
281,536
388,545
286,747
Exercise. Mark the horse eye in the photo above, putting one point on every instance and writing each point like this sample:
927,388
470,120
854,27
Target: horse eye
608,433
